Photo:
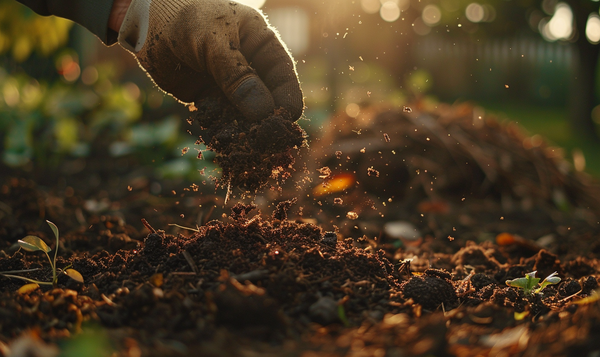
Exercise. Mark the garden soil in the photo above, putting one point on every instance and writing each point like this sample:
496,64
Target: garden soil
394,236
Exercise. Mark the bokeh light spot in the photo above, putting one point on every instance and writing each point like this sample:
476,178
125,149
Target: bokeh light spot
560,26
592,28
352,110
431,15
420,28
475,12
389,11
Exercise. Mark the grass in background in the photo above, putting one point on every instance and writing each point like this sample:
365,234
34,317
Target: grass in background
553,125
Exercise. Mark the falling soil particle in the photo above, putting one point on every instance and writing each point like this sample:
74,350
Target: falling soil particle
248,152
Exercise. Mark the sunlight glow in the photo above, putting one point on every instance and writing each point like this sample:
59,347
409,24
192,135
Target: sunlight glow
431,15
370,6
592,28
293,25
257,4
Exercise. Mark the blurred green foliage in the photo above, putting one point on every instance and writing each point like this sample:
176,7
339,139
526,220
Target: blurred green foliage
22,31
92,341
81,110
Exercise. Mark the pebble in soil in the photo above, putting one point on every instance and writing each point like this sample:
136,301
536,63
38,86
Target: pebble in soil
248,152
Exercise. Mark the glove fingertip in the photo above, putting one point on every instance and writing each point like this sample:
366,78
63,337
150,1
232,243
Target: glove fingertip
289,96
296,108
253,99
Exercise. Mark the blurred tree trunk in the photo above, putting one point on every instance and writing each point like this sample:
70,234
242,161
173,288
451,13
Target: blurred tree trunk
583,90
583,86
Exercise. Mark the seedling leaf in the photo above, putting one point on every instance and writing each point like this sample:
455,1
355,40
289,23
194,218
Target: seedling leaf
529,282
27,288
54,228
33,244
550,279
75,275
342,315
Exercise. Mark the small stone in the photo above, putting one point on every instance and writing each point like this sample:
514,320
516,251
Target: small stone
329,238
153,242
324,311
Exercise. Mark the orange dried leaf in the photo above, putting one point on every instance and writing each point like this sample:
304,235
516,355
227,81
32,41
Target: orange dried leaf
505,239
337,183
157,280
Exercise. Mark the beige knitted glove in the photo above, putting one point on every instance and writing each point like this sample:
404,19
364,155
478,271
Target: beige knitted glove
192,48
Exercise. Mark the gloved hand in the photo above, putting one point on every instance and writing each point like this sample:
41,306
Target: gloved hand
192,48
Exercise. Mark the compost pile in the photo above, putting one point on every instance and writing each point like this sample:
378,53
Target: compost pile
333,271
448,171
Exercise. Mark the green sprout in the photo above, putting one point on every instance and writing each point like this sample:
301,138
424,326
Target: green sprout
342,315
33,244
529,283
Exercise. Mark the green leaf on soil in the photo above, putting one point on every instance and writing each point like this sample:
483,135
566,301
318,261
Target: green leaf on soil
75,275
527,283
33,244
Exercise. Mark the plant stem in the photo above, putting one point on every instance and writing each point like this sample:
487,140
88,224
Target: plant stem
54,278
27,279
19,271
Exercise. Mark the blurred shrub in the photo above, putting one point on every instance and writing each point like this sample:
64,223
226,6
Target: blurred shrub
22,31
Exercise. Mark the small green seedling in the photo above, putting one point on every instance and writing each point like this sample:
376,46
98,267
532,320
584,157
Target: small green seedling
342,315
34,244
529,283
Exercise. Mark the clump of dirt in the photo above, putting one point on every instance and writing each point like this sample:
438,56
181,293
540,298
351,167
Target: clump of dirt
431,289
248,152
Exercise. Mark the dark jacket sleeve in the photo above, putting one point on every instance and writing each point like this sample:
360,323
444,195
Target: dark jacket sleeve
91,14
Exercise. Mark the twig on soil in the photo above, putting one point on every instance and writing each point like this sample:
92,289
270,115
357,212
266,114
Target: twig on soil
108,301
182,273
254,275
570,296
148,226
190,260
183,227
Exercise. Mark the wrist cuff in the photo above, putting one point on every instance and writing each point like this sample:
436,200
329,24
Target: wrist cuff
145,15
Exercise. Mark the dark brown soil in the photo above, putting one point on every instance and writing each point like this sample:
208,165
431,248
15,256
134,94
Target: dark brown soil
304,278
249,153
